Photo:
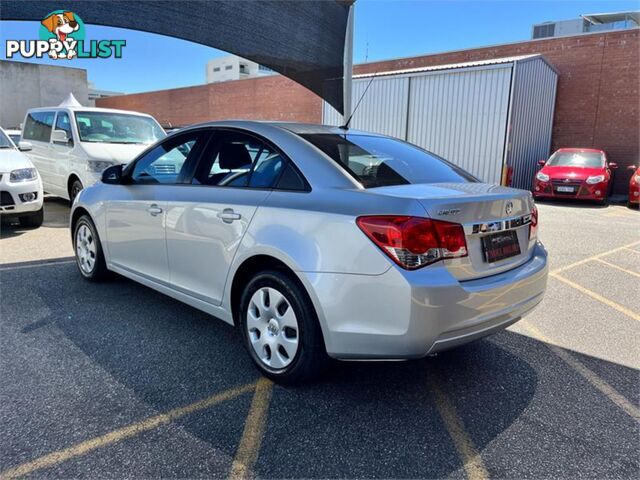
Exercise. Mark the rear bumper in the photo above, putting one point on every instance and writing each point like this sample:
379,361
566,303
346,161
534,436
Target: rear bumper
402,314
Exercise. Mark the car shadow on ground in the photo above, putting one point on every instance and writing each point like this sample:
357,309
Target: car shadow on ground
56,215
361,419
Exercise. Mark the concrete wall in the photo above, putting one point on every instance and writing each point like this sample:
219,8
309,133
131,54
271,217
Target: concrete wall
597,102
28,85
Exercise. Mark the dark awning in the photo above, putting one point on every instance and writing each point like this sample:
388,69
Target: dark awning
303,40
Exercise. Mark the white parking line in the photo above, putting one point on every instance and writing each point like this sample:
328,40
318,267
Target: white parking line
36,265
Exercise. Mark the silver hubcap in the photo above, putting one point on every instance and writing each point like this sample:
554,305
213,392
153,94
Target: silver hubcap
273,328
85,249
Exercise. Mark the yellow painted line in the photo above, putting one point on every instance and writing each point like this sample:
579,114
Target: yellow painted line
120,434
628,312
473,465
251,440
611,393
595,257
618,267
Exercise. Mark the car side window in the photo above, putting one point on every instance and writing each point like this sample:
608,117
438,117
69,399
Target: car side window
166,163
239,160
63,123
38,126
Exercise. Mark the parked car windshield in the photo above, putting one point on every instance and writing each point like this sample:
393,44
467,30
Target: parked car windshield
383,161
106,127
4,141
576,159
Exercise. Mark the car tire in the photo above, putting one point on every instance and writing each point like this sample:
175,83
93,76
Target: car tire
280,328
33,220
76,188
88,251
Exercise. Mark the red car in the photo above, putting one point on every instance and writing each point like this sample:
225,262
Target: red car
634,188
581,173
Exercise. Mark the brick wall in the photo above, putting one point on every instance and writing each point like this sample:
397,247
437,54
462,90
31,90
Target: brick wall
597,102
267,98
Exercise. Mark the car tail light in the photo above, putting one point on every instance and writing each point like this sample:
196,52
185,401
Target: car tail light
413,242
533,229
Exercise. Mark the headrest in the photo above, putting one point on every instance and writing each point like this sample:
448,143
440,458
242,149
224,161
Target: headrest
234,156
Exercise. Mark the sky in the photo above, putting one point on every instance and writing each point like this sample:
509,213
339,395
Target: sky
384,29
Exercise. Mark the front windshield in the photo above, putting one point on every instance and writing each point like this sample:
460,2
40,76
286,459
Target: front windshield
107,127
576,159
4,141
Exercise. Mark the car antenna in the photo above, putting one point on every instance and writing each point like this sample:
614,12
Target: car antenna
346,124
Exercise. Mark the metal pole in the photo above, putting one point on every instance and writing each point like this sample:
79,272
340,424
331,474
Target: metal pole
348,66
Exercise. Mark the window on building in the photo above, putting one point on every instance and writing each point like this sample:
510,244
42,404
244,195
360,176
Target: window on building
244,68
228,67
544,31
216,69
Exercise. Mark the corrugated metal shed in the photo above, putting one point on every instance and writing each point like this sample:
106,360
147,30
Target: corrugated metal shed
484,115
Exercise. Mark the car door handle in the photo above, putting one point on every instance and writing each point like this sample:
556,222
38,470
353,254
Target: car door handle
154,210
228,215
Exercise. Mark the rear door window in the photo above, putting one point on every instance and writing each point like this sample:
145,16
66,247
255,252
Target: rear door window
38,126
239,160
382,161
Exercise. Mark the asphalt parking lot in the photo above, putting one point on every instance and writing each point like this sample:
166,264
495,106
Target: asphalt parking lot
118,381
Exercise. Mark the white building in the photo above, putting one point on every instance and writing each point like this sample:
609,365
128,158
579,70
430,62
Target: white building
595,22
30,85
232,67
97,93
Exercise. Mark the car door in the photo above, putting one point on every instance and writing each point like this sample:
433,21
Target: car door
207,220
61,151
137,209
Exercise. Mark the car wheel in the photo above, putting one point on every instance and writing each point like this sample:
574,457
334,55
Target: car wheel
34,220
89,256
280,328
76,188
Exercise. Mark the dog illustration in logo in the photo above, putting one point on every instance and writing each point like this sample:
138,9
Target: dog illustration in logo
61,25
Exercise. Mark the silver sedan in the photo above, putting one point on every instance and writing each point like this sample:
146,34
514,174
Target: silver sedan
316,242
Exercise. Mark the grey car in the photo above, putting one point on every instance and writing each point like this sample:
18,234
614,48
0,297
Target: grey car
316,242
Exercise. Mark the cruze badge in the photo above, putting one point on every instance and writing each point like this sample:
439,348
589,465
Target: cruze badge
509,208
449,211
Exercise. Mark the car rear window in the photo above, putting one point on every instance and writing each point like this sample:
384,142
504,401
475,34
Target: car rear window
382,161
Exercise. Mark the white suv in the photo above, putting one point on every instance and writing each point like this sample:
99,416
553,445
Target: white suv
20,185
72,145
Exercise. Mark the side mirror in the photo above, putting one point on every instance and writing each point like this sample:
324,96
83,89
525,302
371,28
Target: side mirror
112,175
613,166
60,136
25,146
542,162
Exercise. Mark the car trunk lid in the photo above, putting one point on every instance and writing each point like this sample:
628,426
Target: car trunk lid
492,217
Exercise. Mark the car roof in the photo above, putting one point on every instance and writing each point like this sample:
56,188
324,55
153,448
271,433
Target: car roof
87,109
293,127
580,150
